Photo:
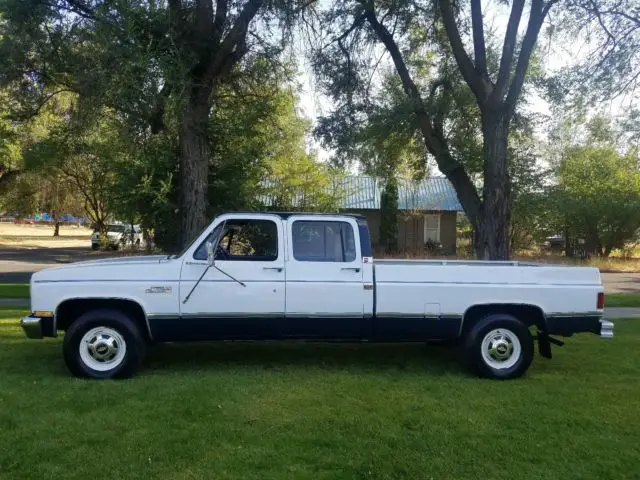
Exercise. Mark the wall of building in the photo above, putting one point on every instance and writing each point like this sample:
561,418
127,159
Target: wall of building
448,230
411,230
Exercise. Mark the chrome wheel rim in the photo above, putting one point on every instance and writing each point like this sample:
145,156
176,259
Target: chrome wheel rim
501,348
102,349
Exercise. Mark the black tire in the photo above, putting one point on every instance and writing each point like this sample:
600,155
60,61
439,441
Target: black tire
95,246
134,341
507,326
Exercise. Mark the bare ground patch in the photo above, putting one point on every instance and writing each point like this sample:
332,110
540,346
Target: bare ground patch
41,236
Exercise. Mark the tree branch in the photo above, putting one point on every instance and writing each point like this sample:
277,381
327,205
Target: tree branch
220,20
629,17
438,113
601,22
536,17
28,115
508,48
234,38
480,54
462,59
436,143
202,28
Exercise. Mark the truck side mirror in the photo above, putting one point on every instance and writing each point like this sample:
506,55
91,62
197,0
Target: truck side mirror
211,254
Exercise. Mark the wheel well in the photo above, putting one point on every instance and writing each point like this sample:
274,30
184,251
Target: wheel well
529,314
69,310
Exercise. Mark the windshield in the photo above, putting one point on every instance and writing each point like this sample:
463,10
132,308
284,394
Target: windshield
116,228
184,250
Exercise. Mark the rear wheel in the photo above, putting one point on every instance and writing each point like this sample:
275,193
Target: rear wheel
103,344
499,346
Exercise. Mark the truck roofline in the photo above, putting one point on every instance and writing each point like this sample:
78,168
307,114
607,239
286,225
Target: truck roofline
285,215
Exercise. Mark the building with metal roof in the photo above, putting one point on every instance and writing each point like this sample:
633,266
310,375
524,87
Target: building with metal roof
428,208
432,194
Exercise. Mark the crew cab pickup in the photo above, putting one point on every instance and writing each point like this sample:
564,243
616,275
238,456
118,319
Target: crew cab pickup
262,276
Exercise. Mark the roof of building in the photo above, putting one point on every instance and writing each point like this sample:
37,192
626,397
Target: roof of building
432,193
361,192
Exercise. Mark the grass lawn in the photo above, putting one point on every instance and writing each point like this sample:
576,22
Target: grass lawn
622,300
14,290
321,411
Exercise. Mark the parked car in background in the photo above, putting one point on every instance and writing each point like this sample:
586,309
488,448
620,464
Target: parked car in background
554,242
118,235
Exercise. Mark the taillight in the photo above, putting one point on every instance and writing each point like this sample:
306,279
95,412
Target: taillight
600,301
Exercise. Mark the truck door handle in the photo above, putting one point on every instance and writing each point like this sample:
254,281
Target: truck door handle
355,269
277,269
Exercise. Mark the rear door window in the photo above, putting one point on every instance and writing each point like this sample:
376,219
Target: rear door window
323,241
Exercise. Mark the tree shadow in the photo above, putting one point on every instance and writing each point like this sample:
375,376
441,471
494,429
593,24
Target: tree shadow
438,360
44,359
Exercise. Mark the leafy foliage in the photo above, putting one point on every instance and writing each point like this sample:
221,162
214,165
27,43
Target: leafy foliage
609,67
599,193
389,216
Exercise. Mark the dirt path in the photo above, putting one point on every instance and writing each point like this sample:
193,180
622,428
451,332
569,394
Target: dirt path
621,282
18,263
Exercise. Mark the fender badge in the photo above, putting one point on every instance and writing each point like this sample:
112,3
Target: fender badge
158,290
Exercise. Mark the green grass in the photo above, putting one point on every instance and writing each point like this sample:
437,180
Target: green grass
622,300
14,290
321,411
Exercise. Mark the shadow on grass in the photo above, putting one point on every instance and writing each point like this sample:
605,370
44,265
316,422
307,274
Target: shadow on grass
30,358
294,354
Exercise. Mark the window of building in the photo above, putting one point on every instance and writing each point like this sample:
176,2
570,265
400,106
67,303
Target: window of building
432,228
323,241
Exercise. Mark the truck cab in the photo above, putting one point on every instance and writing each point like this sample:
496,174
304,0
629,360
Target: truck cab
272,271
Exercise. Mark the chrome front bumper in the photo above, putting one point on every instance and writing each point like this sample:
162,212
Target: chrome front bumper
606,328
32,326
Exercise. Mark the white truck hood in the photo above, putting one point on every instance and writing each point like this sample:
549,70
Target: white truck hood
109,269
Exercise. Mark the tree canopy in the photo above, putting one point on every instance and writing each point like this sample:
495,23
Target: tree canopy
153,111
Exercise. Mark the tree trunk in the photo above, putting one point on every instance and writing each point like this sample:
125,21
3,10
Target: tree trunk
568,244
492,240
194,163
56,227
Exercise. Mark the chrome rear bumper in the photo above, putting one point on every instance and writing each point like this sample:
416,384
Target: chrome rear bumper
606,328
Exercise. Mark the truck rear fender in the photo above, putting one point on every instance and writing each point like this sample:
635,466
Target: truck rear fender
529,314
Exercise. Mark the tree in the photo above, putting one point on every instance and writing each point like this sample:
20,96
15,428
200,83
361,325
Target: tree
419,37
496,92
610,65
82,155
292,178
214,40
389,216
531,181
159,66
599,192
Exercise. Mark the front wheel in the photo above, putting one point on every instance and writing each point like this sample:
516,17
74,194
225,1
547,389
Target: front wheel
500,346
103,343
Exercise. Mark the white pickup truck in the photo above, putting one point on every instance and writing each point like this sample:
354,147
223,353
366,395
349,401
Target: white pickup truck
256,276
